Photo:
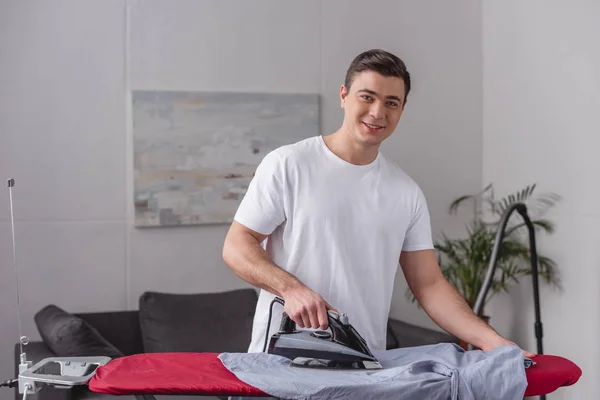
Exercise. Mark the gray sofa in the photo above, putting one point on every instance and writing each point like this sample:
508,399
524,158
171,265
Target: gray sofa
206,322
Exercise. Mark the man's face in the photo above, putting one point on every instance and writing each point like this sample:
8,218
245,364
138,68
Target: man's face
373,107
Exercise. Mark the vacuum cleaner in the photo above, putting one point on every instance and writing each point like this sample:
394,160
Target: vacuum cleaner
521,208
338,347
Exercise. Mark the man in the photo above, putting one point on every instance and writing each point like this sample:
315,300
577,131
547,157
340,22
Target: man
339,217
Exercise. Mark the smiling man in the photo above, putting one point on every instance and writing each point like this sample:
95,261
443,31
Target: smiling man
340,217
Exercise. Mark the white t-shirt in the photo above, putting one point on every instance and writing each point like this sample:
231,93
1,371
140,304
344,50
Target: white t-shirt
336,226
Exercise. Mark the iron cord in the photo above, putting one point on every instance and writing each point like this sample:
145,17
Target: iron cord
275,300
11,383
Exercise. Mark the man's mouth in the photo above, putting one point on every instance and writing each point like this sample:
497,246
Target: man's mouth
373,127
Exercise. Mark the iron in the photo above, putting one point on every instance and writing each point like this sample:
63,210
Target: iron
338,347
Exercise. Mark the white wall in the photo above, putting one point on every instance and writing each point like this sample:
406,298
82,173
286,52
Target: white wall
541,102
62,130
66,67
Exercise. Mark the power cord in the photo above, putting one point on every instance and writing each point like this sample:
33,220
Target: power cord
275,300
11,383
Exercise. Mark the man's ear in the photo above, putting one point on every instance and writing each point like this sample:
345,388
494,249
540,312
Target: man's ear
343,95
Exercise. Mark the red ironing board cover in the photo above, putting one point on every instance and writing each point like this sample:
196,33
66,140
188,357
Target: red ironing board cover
169,373
204,374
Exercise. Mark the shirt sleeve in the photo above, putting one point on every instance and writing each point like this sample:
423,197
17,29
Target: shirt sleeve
262,207
418,235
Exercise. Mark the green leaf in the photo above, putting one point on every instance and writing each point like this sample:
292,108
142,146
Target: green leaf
456,203
464,261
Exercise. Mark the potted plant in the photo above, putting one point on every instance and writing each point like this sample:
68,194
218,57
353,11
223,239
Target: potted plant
464,261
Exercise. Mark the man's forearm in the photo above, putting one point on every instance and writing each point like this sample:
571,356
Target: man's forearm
450,311
246,257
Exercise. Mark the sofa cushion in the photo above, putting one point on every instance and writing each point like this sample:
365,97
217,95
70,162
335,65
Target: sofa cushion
404,334
203,322
121,328
67,335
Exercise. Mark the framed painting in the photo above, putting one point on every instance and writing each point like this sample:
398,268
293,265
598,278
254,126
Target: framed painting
196,152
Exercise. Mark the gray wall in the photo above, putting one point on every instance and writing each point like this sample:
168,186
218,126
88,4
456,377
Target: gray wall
66,70
541,102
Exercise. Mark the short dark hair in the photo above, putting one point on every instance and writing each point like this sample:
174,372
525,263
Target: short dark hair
382,62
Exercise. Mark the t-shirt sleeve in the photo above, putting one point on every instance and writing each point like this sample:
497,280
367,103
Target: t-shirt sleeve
262,207
418,235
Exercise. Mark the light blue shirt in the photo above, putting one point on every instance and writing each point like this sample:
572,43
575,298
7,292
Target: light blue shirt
441,371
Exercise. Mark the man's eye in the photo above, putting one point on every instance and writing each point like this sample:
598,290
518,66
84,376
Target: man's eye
366,97
391,103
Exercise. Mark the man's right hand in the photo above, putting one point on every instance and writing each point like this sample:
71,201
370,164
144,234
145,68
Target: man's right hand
306,308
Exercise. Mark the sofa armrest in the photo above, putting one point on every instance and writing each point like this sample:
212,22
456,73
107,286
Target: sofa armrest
403,334
37,351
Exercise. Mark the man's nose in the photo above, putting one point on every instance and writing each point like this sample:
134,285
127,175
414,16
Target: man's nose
377,111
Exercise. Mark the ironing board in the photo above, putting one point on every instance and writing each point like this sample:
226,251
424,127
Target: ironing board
203,374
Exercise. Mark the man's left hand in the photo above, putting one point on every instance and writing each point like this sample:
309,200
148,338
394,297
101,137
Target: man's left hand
498,341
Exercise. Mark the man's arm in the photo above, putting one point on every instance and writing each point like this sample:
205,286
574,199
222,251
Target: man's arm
243,253
444,304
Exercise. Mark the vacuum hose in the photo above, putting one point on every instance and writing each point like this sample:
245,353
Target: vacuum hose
521,209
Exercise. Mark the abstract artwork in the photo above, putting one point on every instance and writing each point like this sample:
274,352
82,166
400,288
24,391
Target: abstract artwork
195,153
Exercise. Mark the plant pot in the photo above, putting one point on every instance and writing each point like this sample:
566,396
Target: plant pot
464,344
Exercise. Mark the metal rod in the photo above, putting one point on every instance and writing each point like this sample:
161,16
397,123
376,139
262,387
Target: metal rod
11,184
